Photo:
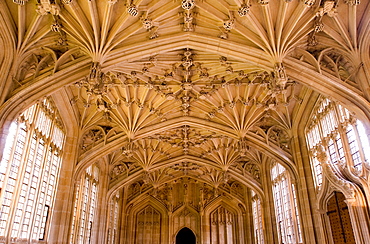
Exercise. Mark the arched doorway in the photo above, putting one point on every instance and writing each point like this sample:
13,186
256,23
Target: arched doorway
340,221
185,236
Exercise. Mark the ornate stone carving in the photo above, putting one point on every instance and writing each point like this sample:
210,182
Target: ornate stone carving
132,10
96,83
56,26
224,34
149,217
342,184
164,195
216,177
280,76
47,6
67,1
254,170
352,2
337,64
136,189
279,137
147,23
20,2
309,3
327,7
187,4
244,10
207,194
122,168
92,138
221,216
243,147
184,137
155,178
128,149
263,2
312,41
237,189
185,167
318,25
228,24
188,21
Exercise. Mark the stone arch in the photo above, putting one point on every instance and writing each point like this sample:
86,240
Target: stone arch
146,221
185,236
221,216
186,217
354,198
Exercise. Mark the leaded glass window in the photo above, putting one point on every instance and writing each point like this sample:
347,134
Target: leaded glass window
286,208
29,171
113,219
342,136
84,206
257,218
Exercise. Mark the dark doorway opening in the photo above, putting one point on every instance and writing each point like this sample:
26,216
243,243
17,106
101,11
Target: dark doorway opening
185,236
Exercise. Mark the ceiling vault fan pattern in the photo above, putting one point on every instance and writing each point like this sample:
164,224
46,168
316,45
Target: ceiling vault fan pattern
184,88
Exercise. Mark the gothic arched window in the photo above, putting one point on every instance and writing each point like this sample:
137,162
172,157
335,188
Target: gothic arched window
344,138
285,202
113,218
257,218
84,206
29,172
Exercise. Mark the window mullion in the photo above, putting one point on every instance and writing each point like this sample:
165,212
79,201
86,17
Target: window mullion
77,211
296,216
295,224
36,178
336,140
359,144
286,208
88,207
84,208
19,175
41,193
345,144
25,181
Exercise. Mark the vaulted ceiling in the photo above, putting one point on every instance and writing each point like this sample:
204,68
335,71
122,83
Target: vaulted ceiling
165,89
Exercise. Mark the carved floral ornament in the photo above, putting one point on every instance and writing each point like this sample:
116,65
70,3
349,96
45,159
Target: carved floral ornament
186,192
99,83
187,4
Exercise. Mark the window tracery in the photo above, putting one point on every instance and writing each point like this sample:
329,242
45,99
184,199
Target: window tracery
113,219
257,218
286,209
29,171
84,206
333,129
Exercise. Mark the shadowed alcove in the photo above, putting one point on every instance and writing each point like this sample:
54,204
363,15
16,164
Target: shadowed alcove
185,236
